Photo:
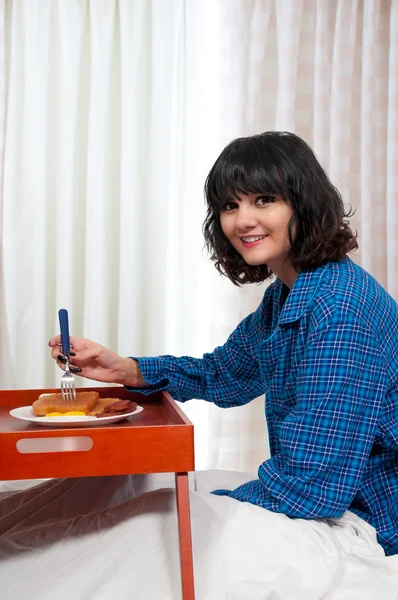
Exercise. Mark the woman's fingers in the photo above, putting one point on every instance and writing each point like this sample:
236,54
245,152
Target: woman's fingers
61,362
89,351
75,342
92,352
86,356
56,351
54,341
77,345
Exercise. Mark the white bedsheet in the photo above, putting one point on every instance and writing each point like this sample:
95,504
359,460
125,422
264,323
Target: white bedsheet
116,539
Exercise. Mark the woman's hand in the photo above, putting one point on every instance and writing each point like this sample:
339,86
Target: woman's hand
99,363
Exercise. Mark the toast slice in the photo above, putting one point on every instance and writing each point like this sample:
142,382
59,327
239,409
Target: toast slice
99,407
48,403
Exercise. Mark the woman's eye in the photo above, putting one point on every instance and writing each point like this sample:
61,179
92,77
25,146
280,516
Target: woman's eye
229,206
262,200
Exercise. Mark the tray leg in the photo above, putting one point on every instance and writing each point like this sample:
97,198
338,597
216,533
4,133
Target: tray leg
185,537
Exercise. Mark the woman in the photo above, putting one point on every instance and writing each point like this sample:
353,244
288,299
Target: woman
322,345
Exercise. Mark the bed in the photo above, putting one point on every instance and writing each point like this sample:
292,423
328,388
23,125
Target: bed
116,537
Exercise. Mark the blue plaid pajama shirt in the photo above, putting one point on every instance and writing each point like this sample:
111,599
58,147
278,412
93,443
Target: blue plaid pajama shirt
326,356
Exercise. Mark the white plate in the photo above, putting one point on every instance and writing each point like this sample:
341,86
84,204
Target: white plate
25,413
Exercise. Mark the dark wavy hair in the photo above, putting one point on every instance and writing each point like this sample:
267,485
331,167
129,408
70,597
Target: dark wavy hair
277,162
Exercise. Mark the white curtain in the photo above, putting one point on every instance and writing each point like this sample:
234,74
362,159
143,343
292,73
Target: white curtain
102,203
116,110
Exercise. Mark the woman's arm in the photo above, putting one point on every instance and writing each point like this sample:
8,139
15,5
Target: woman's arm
228,376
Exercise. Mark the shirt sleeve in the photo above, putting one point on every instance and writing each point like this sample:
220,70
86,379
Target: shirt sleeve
326,440
228,376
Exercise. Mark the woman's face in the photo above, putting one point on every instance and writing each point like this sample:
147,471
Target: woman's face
257,227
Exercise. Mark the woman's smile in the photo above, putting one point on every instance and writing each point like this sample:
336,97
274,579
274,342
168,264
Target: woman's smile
253,240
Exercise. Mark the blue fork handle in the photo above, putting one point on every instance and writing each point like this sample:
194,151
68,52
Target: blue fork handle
64,325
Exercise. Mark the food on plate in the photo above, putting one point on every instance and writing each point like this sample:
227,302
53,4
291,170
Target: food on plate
120,406
50,403
109,407
100,405
72,413
86,404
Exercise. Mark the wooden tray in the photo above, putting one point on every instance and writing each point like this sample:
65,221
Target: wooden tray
158,439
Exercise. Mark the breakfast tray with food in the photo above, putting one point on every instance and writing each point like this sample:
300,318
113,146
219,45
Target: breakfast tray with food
157,437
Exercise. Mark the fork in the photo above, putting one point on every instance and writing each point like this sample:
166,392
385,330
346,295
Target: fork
68,385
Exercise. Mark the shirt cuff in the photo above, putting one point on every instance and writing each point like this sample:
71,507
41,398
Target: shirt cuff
151,372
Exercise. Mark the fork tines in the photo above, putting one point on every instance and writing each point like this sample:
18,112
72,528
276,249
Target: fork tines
68,385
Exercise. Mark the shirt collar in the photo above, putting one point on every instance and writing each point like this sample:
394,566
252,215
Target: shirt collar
301,294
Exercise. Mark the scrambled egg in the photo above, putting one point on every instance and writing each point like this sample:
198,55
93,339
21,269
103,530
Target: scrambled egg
71,413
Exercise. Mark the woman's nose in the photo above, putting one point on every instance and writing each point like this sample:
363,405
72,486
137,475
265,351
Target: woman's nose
245,218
